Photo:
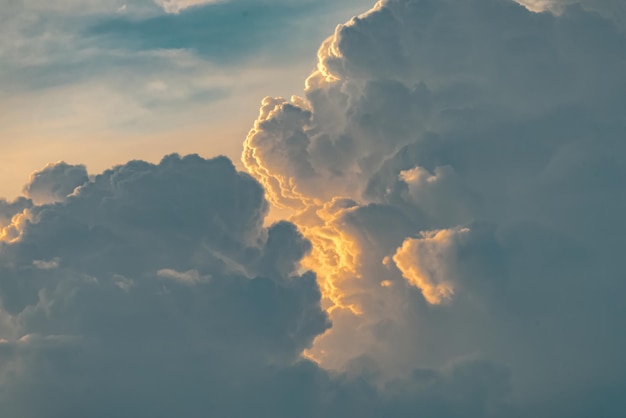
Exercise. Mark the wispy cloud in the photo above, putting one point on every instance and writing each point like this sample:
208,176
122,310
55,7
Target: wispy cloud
175,6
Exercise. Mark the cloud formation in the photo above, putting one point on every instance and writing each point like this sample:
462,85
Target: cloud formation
55,182
150,265
476,147
156,290
454,178
424,263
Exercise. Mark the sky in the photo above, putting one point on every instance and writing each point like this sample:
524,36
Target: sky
100,82
278,208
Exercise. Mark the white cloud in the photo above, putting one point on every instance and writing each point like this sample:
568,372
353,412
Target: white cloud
190,277
47,265
176,6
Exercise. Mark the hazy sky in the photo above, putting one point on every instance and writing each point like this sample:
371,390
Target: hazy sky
102,82
420,210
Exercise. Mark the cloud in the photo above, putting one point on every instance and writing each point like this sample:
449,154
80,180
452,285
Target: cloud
454,179
614,10
178,220
176,6
46,265
191,276
9,209
477,144
128,94
55,182
156,289
225,33
424,261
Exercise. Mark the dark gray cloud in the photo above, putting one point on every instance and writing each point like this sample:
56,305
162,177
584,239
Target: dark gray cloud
156,290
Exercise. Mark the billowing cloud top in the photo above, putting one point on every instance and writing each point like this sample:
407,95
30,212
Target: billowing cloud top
55,182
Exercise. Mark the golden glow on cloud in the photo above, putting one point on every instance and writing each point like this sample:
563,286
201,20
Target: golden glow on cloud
281,189
13,231
334,256
423,263
328,50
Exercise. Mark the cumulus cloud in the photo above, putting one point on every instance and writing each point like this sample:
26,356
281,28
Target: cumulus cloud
424,263
55,182
157,290
135,224
476,148
10,209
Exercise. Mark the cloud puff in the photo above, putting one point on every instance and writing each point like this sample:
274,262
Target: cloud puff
55,182
424,261
175,6
10,209
613,10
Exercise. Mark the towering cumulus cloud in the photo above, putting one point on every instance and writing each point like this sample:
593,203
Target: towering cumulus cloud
459,167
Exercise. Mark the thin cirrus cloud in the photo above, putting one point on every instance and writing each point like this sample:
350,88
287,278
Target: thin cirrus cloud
453,176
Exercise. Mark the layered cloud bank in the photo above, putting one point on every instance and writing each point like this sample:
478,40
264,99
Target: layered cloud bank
454,181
